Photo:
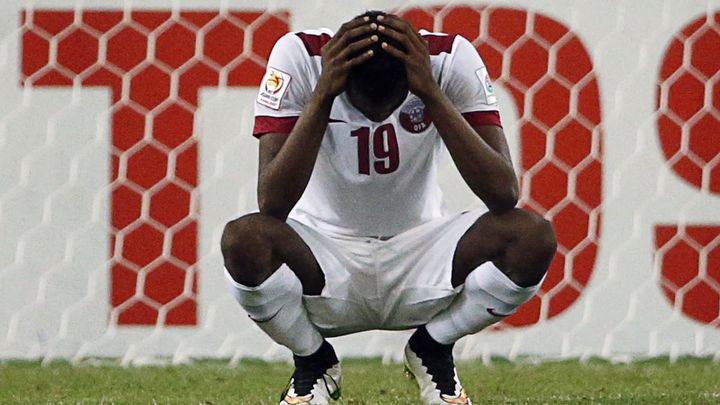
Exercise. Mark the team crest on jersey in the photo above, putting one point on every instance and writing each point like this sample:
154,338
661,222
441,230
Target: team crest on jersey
273,88
413,117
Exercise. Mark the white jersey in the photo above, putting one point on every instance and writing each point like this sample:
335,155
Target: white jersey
372,178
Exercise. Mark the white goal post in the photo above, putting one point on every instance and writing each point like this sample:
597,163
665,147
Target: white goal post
125,146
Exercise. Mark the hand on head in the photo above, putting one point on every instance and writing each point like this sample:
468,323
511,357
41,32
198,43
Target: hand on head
349,47
401,40
376,58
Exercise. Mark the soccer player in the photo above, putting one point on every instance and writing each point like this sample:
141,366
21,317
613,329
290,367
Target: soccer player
352,232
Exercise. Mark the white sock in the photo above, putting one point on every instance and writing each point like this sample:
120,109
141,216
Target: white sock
276,307
487,297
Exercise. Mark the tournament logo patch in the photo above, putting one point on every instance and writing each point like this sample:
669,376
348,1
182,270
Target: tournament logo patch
486,86
413,117
489,86
273,88
274,83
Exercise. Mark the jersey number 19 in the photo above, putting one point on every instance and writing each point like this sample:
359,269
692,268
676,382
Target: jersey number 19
385,148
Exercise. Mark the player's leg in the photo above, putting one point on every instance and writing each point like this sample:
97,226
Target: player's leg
500,259
269,268
520,243
254,246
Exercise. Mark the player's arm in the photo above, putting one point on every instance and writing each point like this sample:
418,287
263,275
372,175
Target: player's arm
480,153
287,160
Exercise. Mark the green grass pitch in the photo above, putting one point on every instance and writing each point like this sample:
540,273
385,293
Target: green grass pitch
688,381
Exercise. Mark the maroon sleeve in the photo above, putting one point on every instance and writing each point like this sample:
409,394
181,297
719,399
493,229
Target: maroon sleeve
266,124
483,118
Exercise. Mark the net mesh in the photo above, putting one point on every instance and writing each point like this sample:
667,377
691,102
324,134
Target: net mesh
124,147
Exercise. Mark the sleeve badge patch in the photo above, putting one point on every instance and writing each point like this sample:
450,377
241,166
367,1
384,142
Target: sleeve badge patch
486,86
273,87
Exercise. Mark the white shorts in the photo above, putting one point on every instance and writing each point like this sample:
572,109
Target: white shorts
399,283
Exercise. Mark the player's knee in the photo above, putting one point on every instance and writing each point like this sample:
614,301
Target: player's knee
539,244
247,249
237,234
543,237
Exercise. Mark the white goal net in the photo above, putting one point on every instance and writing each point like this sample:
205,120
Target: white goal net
125,146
